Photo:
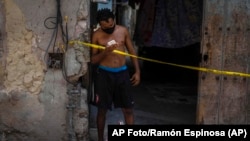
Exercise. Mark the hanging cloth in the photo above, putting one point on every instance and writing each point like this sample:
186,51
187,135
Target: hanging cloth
176,24
144,23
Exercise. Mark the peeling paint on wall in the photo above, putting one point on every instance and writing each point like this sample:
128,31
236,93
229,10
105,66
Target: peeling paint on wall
24,70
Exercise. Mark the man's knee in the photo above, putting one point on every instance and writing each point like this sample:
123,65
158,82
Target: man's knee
128,111
102,111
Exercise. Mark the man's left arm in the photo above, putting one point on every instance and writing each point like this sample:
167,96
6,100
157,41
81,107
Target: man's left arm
135,79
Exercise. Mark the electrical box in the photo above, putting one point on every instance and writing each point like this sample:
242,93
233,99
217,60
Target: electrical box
55,60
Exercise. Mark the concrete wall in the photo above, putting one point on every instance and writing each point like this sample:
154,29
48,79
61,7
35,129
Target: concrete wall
36,101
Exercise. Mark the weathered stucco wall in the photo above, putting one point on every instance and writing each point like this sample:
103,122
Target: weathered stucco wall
25,70
34,99
2,30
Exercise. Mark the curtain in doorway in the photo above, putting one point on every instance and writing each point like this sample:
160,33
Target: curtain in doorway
168,23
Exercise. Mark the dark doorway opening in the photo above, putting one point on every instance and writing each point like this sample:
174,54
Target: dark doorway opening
168,31
167,94
186,56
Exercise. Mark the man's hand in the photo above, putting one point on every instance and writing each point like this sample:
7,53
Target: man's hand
111,45
111,48
135,79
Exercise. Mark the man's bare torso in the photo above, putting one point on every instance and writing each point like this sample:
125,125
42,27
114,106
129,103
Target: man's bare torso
113,60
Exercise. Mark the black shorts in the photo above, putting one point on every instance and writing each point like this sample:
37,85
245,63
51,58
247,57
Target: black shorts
112,88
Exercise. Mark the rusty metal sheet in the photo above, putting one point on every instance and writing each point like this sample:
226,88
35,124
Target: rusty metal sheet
222,98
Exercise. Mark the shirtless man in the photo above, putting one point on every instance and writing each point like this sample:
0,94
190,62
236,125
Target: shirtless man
112,82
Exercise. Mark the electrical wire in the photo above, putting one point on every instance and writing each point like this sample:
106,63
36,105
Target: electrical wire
55,23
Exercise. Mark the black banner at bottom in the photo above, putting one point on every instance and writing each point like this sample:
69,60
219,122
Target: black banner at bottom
188,132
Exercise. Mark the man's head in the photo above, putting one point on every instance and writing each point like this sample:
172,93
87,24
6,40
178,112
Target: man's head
105,18
104,14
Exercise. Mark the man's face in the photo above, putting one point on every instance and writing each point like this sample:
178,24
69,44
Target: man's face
108,26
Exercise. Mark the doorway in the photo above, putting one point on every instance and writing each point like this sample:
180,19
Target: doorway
169,32
167,94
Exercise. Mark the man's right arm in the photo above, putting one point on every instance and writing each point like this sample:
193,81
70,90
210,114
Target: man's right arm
97,55
94,52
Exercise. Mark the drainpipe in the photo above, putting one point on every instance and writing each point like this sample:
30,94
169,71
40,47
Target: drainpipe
74,94
3,138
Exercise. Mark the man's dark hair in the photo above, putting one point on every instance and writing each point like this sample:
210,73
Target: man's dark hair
104,14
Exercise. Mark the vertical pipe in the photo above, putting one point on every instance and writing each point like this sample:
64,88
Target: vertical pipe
70,107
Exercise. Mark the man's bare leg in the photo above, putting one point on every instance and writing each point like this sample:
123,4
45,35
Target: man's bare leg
101,119
128,115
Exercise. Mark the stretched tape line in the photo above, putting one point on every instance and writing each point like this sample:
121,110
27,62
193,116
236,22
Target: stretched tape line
161,62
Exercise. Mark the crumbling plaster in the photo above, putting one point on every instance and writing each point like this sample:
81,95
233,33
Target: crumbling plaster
28,38
34,98
25,71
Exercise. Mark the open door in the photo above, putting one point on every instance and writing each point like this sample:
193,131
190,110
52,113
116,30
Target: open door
223,98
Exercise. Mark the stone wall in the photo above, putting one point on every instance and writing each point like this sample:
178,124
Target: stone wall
39,102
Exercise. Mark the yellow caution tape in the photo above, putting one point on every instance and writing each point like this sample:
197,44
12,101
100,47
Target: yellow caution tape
161,62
